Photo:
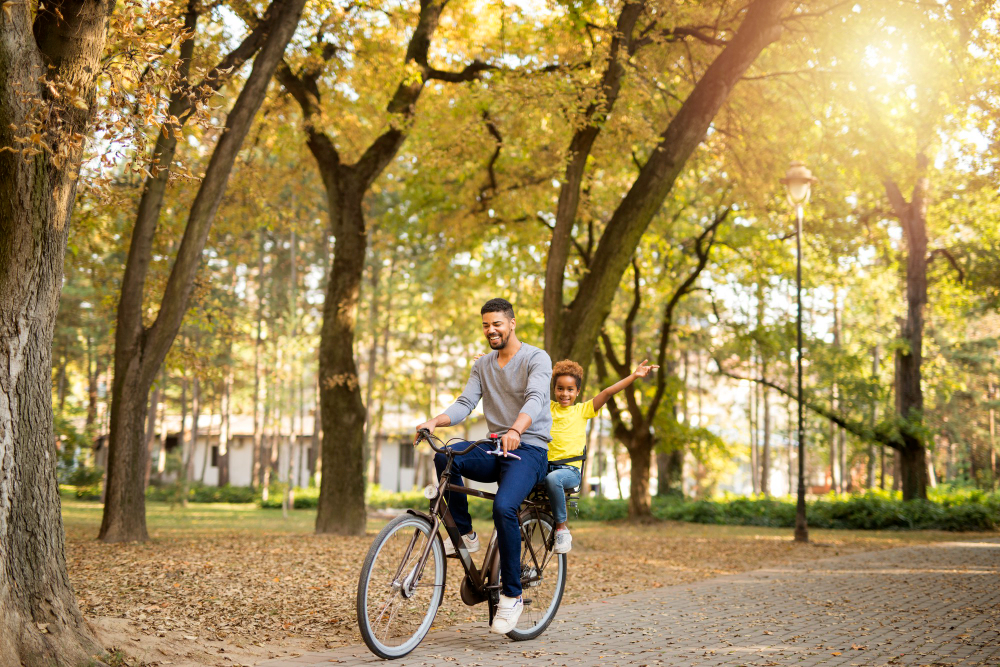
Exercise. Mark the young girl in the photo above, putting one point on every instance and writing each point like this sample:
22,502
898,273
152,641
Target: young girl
569,435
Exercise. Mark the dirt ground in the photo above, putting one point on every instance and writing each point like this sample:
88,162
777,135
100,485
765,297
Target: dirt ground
207,592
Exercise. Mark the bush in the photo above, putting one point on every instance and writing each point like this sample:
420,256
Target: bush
86,479
947,509
201,493
303,498
874,510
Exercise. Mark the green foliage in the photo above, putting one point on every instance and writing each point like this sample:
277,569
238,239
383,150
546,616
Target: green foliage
303,498
953,510
86,479
201,493
958,511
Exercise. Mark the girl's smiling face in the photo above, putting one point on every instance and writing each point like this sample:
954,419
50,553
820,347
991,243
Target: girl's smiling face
566,390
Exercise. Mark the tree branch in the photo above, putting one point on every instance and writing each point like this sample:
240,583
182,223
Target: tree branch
685,131
943,252
702,253
862,431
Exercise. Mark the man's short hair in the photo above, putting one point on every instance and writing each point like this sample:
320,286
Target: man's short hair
498,306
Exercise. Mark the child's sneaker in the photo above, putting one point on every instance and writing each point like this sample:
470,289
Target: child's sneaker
471,543
564,542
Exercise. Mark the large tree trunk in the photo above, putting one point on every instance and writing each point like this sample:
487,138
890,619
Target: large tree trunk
140,350
342,488
40,623
912,217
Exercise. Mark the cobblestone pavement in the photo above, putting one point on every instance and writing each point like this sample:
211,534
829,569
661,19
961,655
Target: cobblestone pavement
931,605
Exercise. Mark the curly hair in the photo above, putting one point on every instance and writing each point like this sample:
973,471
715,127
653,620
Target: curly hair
570,368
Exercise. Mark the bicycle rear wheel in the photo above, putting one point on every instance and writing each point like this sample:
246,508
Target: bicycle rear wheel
543,576
397,603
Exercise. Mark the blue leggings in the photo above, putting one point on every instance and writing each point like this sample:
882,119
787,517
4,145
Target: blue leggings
557,481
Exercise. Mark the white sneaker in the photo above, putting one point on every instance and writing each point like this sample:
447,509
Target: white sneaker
564,542
471,543
508,611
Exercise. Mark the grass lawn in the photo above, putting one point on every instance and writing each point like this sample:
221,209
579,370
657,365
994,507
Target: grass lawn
222,584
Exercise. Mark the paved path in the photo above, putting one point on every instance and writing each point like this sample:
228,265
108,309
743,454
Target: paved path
931,605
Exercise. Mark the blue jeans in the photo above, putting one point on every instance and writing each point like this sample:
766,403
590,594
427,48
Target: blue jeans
557,481
515,479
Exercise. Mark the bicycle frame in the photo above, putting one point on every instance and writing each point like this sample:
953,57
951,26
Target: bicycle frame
441,514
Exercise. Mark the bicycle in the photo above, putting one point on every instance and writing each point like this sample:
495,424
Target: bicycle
396,606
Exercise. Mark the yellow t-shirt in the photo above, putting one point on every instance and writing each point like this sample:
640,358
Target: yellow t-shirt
569,430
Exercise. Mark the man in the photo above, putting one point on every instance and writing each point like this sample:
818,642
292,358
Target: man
513,381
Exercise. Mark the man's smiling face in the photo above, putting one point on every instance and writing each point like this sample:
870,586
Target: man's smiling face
497,328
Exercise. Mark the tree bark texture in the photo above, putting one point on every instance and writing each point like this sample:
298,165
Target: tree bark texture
640,453
40,623
912,217
342,486
140,350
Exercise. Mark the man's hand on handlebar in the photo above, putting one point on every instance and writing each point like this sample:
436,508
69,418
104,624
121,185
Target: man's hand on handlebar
429,426
510,441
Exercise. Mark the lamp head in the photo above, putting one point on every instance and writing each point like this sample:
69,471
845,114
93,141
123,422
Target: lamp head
798,181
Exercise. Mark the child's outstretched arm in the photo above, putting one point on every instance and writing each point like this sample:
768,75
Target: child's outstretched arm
640,372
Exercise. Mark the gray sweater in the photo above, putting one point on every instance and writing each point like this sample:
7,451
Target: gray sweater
520,386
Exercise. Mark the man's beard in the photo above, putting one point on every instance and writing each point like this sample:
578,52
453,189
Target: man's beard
500,344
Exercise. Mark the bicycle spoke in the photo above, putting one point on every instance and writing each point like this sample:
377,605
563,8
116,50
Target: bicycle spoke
394,609
542,576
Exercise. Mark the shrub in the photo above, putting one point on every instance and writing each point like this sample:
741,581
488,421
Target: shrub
965,510
201,493
87,481
303,498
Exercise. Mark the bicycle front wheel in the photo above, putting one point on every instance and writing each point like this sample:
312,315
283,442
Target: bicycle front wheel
543,576
398,597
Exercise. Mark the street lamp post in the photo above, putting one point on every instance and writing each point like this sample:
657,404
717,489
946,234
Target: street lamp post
798,181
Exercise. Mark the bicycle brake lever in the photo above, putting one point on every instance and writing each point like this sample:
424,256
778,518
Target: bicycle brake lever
500,452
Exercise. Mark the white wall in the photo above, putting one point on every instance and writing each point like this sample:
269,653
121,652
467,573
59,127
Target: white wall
241,461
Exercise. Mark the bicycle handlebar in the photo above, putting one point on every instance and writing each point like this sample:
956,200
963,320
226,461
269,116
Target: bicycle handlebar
494,439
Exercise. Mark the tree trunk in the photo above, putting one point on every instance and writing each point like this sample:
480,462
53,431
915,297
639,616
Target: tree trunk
909,394
193,450
266,450
224,436
140,350
206,459
342,489
752,417
373,328
40,623
670,473
258,406
91,423
640,451
991,396
154,403
870,470
184,444
765,449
